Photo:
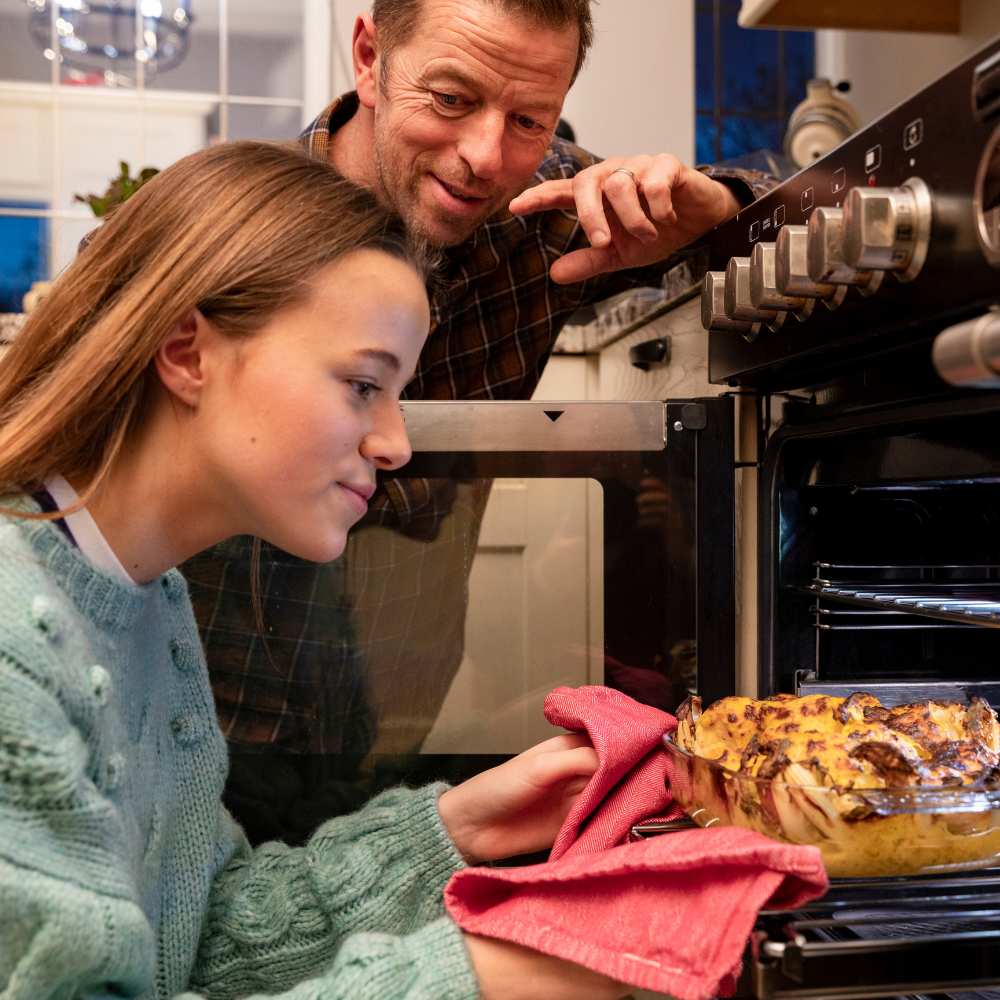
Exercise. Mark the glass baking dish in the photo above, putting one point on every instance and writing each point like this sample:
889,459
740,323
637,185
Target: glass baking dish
860,833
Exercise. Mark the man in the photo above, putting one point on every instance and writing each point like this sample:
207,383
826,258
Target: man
453,118
452,125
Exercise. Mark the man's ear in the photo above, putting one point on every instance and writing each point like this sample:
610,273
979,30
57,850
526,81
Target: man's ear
367,61
180,359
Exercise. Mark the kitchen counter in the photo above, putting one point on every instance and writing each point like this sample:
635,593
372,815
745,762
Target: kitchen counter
589,332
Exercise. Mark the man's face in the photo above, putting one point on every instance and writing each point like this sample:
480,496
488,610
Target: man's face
466,112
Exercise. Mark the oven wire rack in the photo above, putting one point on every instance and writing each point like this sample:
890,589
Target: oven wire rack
859,596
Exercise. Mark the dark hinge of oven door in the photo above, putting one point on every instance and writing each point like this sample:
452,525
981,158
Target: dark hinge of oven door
880,968
700,462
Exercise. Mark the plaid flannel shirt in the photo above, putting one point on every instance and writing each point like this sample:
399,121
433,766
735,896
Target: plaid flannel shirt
344,636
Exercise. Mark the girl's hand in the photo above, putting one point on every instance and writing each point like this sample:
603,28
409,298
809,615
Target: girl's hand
519,806
507,971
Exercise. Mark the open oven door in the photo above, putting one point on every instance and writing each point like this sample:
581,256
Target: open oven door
526,545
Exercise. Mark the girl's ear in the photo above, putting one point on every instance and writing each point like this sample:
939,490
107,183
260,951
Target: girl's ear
180,359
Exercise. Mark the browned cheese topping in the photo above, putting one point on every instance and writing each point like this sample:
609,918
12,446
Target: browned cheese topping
846,743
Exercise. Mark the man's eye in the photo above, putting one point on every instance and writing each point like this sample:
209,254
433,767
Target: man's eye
447,100
529,124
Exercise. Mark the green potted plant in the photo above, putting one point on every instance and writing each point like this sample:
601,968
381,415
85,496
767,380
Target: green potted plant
119,190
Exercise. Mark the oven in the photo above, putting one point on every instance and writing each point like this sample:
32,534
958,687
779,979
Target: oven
854,304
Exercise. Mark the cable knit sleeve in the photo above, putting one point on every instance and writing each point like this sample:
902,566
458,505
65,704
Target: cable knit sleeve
360,907
74,924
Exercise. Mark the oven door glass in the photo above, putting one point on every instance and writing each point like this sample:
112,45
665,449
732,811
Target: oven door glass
526,546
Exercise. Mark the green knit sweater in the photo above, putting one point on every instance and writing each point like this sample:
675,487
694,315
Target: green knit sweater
121,874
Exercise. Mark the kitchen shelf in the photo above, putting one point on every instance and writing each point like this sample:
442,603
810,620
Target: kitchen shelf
941,16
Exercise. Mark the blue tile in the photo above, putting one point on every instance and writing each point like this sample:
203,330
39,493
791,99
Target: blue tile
764,75
704,59
800,65
705,133
742,135
749,69
24,254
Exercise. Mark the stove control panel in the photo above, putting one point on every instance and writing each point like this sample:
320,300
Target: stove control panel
713,309
791,269
738,303
764,291
825,260
888,229
866,250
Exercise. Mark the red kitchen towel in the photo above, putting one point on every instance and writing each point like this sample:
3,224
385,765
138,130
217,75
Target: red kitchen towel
630,782
671,913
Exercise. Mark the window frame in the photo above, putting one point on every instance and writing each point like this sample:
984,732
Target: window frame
720,112
56,94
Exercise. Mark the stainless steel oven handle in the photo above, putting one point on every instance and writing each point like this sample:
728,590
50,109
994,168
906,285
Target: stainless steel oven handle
968,354
521,425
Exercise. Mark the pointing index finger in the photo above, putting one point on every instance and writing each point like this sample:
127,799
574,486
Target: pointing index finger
544,197
588,193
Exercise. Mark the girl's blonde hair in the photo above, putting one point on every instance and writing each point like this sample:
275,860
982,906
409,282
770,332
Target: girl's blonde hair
236,231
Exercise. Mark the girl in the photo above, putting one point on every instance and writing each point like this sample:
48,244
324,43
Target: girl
225,357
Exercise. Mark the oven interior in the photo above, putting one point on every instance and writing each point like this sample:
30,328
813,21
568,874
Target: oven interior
880,571
885,559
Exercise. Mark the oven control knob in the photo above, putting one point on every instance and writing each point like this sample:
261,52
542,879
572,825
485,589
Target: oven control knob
888,229
739,305
764,292
968,353
791,270
825,254
713,309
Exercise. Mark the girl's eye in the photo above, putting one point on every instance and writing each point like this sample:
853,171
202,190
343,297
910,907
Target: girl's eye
364,390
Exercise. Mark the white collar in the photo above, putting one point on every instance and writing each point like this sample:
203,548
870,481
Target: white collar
85,532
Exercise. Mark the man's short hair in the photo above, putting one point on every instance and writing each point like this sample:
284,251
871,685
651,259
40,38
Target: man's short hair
397,19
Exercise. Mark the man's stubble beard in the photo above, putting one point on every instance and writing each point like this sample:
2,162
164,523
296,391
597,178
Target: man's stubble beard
405,202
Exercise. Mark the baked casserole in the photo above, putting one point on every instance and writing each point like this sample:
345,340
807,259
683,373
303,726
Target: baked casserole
879,790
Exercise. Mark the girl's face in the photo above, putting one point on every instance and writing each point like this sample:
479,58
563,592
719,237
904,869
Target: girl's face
296,419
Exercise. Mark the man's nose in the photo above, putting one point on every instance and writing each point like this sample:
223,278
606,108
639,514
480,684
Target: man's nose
481,144
387,445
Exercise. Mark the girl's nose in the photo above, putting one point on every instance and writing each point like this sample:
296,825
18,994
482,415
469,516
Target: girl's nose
387,445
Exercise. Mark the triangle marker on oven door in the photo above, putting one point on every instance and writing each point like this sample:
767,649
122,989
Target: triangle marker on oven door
553,415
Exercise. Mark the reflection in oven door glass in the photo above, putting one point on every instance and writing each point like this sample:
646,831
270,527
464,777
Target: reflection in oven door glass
427,650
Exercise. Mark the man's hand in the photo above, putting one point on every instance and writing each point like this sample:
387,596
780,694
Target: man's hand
519,806
635,210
